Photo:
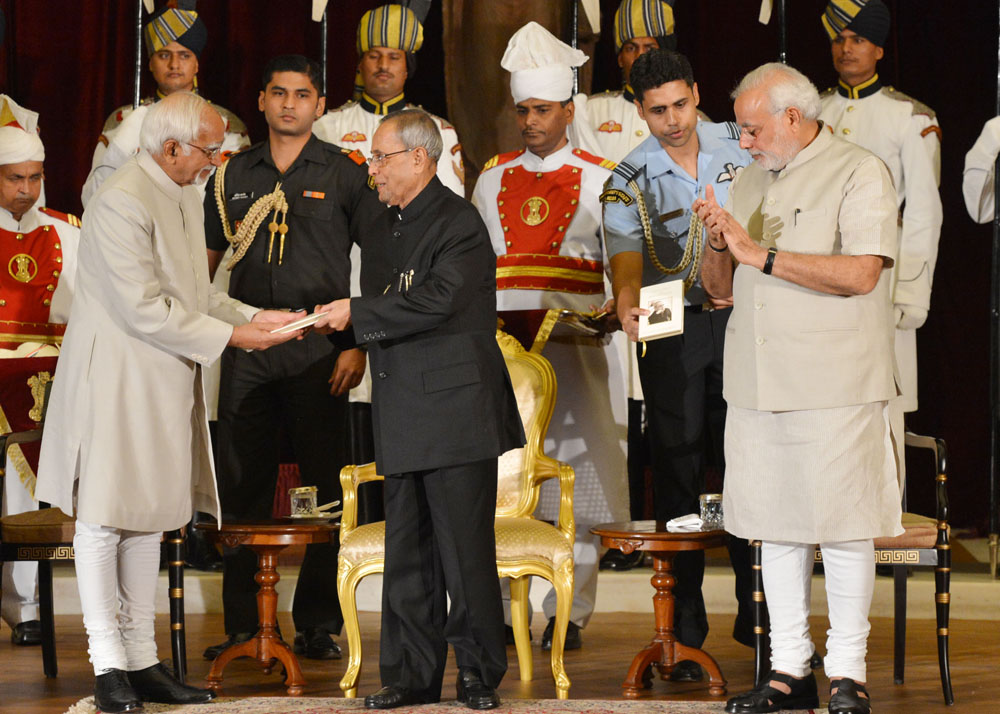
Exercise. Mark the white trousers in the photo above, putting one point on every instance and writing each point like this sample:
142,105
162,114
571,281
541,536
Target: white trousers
850,580
116,571
20,580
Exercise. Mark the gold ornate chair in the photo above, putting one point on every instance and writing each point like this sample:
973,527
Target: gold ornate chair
925,542
525,546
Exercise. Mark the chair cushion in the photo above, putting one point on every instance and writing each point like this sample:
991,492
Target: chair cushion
918,532
528,539
48,525
517,539
366,542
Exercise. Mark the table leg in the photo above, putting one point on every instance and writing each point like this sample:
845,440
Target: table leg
266,645
664,652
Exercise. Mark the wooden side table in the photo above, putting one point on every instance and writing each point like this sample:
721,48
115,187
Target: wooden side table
664,652
266,539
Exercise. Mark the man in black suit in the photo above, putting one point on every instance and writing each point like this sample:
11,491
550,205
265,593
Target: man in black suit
443,410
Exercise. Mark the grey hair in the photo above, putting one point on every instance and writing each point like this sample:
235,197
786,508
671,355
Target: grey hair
415,128
179,116
786,87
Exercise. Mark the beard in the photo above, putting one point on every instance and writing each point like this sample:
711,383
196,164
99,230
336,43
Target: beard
784,149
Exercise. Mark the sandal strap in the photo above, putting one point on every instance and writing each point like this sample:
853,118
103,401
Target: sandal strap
848,685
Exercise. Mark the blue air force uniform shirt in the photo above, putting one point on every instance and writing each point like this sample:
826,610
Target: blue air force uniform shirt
668,191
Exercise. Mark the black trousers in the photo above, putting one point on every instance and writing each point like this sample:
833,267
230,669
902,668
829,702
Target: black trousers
686,415
440,542
261,396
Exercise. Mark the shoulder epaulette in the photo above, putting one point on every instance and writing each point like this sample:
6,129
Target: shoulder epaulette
827,92
64,217
500,159
733,130
587,156
354,155
918,107
703,116
626,170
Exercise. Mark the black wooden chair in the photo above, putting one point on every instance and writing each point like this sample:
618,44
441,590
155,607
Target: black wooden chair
925,543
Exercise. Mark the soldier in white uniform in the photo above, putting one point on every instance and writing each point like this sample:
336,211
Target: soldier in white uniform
39,247
978,180
175,37
541,206
388,38
905,134
640,26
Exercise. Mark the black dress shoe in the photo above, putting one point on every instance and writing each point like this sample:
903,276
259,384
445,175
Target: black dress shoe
157,684
473,692
765,698
614,559
316,643
113,693
815,662
574,640
215,650
687,671
27,633
391,697
848,699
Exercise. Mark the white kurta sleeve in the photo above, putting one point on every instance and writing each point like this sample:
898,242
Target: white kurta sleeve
978,178
123,232
920,157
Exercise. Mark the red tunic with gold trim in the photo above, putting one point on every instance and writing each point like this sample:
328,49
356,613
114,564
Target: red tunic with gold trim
37,271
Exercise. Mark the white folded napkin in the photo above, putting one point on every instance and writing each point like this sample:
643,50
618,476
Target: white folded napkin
685,524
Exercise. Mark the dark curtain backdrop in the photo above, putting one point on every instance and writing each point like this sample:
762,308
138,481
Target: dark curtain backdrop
71,60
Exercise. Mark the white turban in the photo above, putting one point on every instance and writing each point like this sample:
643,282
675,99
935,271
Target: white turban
540,66
18,145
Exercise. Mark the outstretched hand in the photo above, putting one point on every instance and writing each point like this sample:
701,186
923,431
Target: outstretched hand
336,317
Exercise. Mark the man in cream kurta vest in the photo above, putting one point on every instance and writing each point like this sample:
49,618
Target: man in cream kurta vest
808,373
126,447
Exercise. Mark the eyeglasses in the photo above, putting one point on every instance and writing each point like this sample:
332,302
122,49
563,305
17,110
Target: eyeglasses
379,159
209,153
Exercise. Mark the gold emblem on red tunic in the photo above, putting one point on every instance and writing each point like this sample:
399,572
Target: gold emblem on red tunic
22,267
535,210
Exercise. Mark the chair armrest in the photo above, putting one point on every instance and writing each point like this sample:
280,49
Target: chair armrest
545,468
940,451
350,478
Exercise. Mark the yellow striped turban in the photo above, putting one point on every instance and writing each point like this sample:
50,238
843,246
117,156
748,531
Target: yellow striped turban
392,26
642,18
175,24
868,18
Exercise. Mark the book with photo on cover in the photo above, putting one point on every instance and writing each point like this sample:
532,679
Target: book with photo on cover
665,303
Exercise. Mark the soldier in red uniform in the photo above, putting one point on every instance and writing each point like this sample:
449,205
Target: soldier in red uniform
37,263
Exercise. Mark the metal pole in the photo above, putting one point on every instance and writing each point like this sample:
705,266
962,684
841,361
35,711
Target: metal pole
322,49
574,40
782,33
995,352
138,53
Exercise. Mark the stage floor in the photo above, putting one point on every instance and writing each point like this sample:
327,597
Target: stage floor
596,670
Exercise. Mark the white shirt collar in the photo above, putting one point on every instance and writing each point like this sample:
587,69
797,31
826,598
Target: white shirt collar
554,161
29,221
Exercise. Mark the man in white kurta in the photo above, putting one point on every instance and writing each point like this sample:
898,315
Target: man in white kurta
904,133
126,447
541,206
40,245
808,373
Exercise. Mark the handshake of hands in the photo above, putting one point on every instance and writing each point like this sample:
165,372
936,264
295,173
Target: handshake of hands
259,333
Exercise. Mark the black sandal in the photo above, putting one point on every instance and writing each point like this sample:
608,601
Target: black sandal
765,698
848,699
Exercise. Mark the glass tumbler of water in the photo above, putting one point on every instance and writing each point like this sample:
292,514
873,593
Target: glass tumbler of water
303,501
711,510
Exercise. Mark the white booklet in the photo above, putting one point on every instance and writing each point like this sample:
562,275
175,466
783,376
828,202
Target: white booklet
307,321
665,303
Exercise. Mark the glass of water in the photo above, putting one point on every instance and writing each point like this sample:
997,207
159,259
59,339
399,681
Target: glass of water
711,511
